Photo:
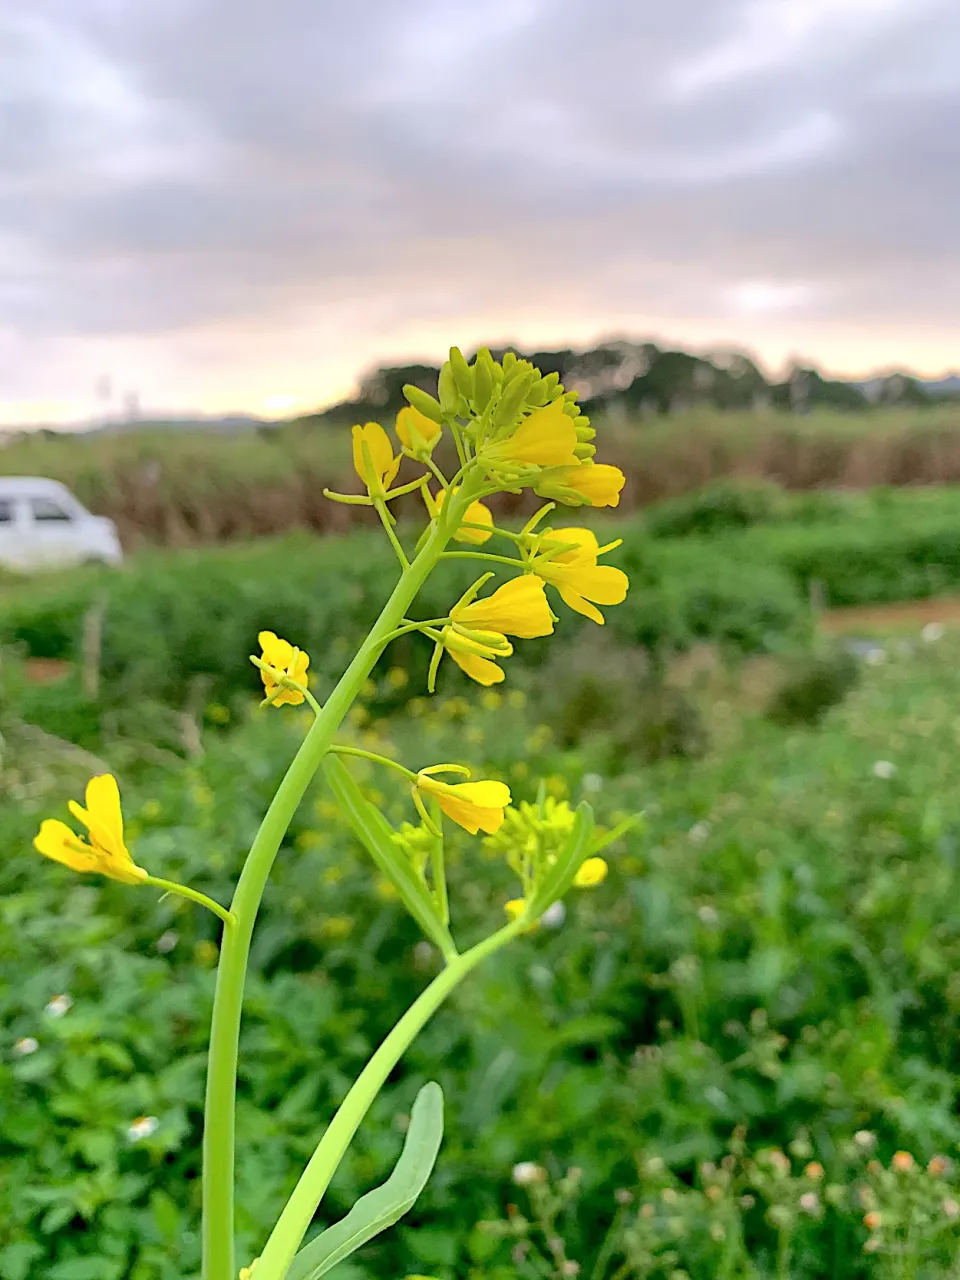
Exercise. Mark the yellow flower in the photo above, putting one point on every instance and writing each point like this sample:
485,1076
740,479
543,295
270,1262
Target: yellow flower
518,608
598,484
283,657
416,431
477,513
515,908
475,806
547,438
246,1273
105,851
373,458
591,873
576,574
477,655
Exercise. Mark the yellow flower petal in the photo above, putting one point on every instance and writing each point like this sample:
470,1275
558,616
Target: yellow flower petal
598,483
518,608
480,669
515,908
415,430
582,583
591,873
292,662
582,543
105,853
546,438
384,465
477,513
55,840
573,600
475,806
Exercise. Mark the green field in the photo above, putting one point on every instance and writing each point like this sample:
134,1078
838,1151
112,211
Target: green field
706,1069
186,487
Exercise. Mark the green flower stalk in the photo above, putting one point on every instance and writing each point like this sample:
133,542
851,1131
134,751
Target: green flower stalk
511,429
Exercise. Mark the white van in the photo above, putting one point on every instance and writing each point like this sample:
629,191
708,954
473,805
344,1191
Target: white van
43,526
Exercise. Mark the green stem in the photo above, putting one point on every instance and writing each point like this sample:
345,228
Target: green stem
337,750
480,555
416,626
387,522
184,891
298,1214
219,1124
440,877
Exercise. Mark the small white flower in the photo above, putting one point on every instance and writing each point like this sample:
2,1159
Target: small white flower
527,1172
592,782
707,914
23,1048
876,657
884,769
810,1203
554,915
58,1006
143,1127
699,832
865,1140
951,1208
932,632
167,941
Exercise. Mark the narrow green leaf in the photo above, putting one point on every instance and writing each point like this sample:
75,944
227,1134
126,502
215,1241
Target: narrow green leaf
569,861
381,1208
376,835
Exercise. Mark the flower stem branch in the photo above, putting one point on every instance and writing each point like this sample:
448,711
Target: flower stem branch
193,895
337,750
286,1236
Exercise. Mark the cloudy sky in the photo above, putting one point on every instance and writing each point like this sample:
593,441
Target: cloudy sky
240,204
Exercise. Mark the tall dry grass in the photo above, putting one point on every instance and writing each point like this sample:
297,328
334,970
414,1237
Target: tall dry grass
175,487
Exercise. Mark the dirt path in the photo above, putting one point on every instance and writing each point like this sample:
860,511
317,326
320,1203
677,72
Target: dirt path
911,615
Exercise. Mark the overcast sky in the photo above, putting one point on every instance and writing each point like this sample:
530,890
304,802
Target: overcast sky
240,204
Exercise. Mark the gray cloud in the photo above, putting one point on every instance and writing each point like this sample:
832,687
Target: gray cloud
182,175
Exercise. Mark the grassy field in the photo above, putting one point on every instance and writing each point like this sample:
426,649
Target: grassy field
736,1058
730,1040
180,488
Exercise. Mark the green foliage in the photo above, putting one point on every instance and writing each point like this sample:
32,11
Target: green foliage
382,1208
777,949
814,683
718,507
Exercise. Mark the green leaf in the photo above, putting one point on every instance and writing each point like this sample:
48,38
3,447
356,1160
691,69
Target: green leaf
377,836
380,1209
569,860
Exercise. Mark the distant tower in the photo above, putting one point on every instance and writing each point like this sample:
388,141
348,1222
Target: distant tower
104,395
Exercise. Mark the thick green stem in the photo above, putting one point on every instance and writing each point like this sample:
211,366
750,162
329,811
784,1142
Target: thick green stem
219,1135
287,1235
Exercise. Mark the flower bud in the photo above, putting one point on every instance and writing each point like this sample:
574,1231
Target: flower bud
584,450
423,401
452,403
483,379
512,399
462,373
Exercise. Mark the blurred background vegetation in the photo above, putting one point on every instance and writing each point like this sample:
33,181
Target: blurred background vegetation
736,1058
